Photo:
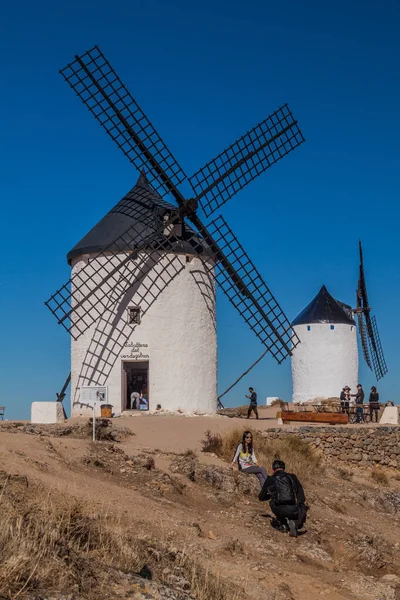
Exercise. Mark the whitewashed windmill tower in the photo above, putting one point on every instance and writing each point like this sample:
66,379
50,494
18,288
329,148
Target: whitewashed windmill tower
140,304
327,358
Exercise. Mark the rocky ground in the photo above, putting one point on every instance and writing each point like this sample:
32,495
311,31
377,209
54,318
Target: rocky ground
190,527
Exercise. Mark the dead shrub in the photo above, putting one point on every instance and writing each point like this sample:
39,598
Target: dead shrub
345,473
212,442
234,547
379,477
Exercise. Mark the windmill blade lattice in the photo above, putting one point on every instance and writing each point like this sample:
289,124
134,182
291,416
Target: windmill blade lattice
246,159
248,292
368,328
84,298
363,337
98,86
378,359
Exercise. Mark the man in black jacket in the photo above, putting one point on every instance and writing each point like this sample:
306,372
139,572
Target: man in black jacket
287,499
359,399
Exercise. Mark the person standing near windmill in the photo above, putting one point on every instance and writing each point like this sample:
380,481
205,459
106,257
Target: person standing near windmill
253,403
359,400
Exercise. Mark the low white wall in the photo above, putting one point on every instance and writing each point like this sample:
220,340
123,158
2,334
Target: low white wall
390,416
47,412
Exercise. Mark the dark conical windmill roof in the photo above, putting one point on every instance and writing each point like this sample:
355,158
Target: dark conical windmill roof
131,210
325,309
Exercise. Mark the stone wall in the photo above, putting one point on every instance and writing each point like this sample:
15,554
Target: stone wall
364,445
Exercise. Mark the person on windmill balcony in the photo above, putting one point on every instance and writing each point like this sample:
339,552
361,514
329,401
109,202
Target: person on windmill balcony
359,400
253,403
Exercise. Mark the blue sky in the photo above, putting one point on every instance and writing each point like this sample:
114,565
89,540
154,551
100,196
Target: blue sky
204,72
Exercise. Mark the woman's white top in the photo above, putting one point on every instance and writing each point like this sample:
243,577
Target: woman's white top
245,458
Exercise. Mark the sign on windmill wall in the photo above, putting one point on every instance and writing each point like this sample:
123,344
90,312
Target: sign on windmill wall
135,351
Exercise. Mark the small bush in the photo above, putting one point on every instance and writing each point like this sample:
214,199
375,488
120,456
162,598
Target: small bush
212,443
379,477
345,473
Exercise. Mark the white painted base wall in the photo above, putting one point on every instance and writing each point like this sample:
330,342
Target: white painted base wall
390,416
47,412
325,361
177,334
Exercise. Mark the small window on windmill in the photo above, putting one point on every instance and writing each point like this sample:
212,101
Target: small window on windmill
308,327
133,315
332,327
172,229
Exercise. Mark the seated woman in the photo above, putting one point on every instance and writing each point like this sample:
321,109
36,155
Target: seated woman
246,459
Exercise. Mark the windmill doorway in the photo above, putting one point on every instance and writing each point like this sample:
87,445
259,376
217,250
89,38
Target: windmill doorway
135,385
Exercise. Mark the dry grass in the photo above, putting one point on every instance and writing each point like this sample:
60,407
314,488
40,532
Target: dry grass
379,477
296,453
50,543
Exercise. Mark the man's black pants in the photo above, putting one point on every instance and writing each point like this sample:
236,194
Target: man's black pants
293,512
252,407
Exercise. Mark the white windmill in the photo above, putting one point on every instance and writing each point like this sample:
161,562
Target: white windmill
327,358
140,304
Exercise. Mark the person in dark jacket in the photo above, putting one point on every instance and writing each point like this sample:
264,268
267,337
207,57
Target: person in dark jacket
345,399
359,400
287,499
253,403
374,404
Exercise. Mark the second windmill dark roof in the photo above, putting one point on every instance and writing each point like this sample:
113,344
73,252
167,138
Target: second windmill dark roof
325,309
129,211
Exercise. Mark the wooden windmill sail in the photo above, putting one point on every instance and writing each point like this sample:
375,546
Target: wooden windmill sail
367,327
164,227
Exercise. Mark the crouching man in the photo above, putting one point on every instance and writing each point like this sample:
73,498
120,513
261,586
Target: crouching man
287,500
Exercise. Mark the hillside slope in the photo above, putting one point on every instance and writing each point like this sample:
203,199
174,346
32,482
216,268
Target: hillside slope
194,525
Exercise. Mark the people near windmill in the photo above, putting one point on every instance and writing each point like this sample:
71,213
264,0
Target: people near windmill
286,499
253,403
135,401
374,405
143,402
246,460
359,401
345,399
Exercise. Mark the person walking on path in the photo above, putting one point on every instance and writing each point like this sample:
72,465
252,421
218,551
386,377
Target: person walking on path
359,400
374,404
253,403
246,459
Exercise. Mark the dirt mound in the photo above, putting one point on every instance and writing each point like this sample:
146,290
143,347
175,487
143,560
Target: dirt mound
135,471
222,479
105,430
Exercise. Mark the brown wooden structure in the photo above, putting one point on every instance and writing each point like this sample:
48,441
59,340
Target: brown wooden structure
332,418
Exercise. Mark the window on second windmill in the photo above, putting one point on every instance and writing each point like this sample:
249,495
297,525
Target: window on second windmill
133,315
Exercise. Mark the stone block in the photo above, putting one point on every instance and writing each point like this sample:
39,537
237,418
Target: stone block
390,416
47,412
